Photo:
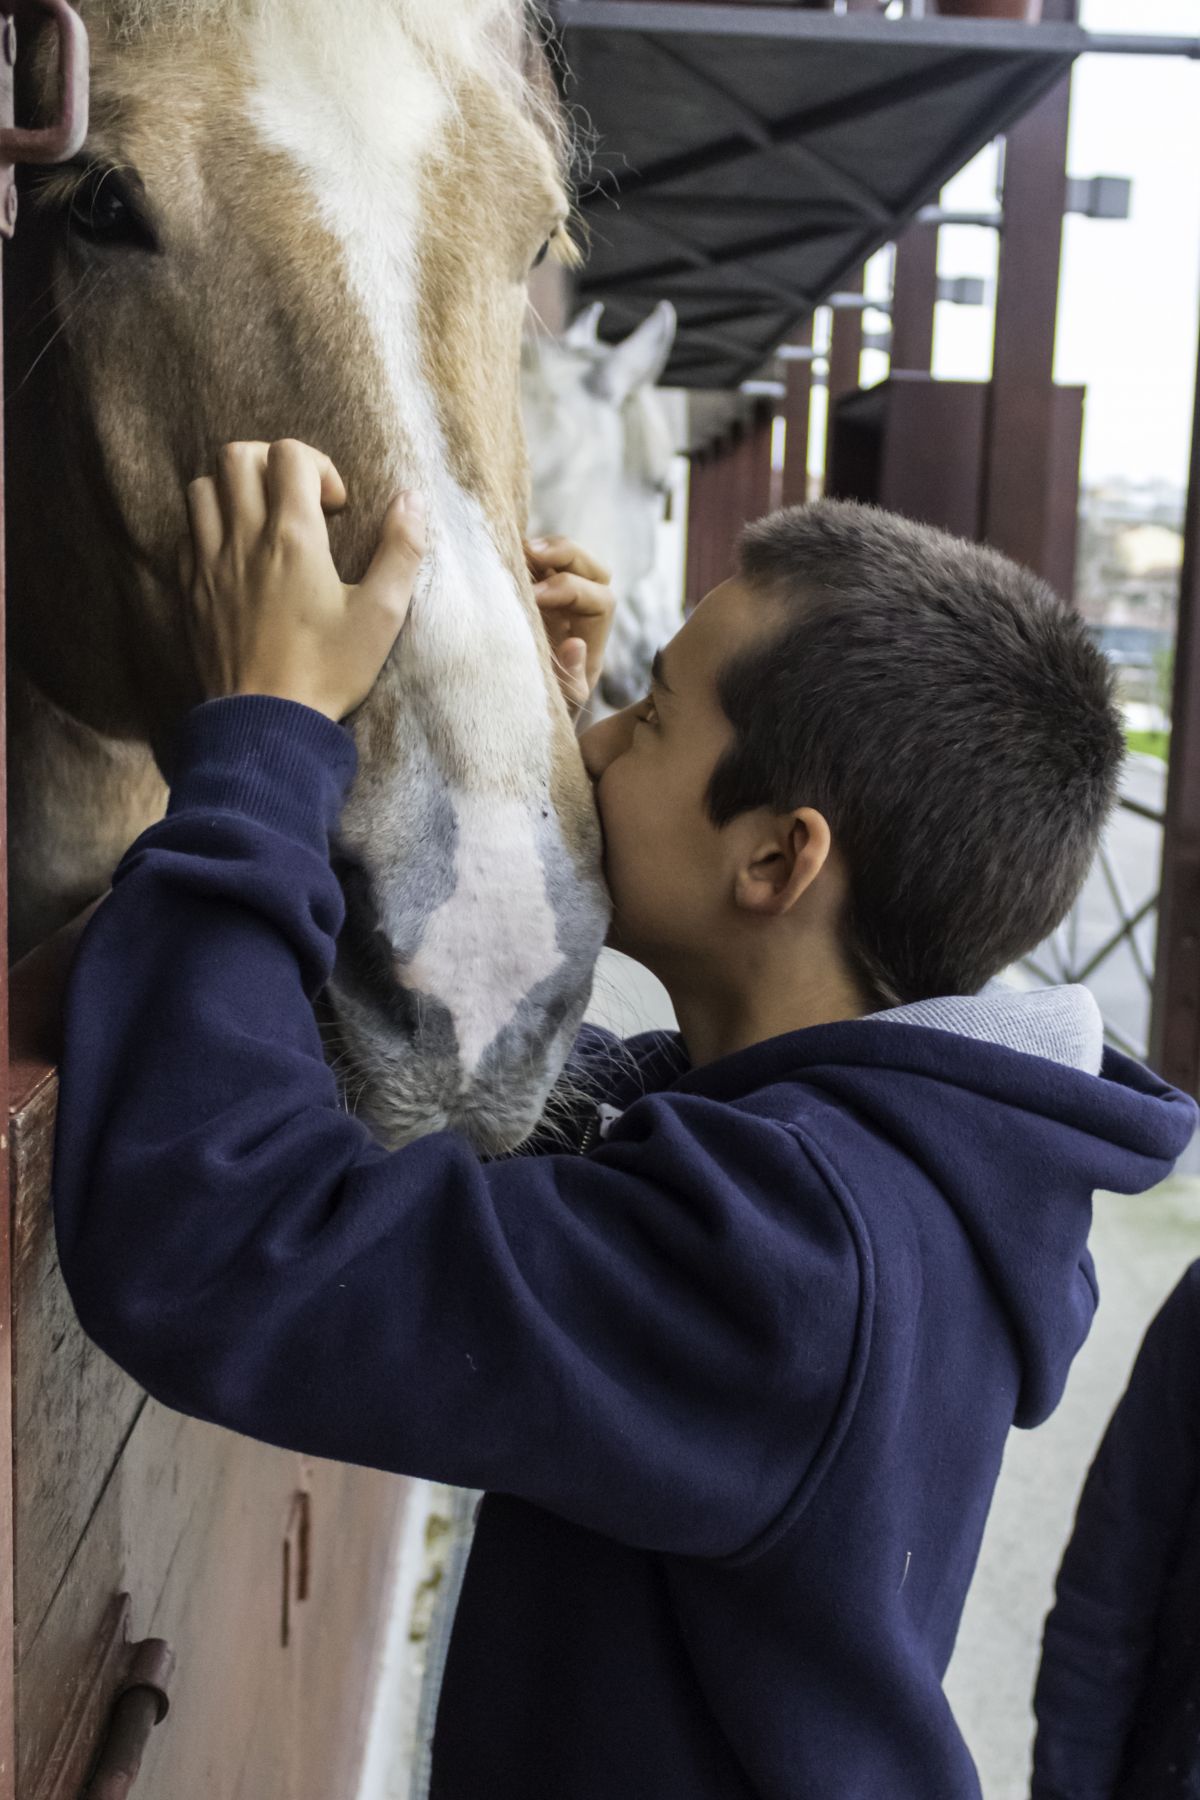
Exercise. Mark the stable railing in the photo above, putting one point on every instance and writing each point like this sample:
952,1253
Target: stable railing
1072,954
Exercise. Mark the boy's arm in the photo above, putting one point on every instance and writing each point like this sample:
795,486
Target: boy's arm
1137,1500
652,1340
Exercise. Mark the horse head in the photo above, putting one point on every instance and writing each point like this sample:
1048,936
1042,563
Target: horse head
294,221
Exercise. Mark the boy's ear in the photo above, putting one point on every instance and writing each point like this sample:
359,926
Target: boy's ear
784,863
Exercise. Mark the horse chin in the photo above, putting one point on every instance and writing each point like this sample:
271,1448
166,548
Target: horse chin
395,1057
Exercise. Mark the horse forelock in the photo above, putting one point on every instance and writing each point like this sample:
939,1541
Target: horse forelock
500,40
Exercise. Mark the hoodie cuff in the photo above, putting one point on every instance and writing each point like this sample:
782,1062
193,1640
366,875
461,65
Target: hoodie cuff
274,761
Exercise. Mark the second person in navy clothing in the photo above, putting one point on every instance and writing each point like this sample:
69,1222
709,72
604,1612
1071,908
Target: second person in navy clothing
1118,1694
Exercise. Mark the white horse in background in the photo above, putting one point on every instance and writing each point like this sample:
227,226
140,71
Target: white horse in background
601,451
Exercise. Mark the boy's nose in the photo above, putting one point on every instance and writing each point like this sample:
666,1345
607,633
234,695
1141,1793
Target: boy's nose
601,743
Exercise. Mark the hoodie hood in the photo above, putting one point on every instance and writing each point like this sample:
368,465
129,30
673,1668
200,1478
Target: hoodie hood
1062,1024
993,1098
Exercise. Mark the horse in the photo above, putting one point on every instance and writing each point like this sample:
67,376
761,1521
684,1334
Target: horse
289,221
602,449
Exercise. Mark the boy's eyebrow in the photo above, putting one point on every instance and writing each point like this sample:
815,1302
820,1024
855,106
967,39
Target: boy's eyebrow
657,675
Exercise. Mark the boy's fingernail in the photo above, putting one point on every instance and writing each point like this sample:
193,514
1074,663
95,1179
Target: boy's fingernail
413,502
539,543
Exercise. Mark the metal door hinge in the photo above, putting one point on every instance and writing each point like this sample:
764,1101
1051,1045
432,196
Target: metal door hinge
65,134
141,1704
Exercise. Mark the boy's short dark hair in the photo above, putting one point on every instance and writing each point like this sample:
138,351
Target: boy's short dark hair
950,717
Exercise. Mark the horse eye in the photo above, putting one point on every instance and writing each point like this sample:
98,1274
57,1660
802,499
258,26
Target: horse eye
105,212
540,258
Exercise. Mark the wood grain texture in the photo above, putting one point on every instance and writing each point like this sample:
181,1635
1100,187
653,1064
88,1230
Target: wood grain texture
115,1494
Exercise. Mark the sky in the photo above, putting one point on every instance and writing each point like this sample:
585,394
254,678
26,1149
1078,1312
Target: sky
1130,293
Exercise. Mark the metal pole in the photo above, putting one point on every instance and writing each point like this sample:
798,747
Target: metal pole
1175,1013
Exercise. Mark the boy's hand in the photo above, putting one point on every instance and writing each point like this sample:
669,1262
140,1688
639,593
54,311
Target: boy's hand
576,604
270,614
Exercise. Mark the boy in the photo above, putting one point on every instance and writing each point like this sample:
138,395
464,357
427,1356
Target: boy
738,1379
1118,1693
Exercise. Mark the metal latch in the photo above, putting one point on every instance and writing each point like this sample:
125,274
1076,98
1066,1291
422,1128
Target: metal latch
65,135
140,1705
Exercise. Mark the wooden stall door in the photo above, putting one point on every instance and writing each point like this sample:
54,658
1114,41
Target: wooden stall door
267,1573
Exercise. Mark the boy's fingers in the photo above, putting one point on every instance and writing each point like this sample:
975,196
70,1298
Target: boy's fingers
570,591
301,481
204,516
389,580
561,553
241,486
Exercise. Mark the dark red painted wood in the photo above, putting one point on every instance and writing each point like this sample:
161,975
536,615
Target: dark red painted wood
914,296
1175,1019
7,1707
1017,443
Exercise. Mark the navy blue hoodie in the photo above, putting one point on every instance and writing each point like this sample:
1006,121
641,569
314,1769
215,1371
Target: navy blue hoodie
1118,1695
737,1382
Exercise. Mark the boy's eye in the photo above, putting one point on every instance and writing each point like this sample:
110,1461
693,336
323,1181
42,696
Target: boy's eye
648,715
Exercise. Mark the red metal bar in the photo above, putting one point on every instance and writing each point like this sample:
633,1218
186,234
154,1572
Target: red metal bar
693,568
758,458
1018,430
7,1622
1175,1013
845,355
914,296
797,406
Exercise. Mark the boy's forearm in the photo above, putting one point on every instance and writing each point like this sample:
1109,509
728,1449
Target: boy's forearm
195,1096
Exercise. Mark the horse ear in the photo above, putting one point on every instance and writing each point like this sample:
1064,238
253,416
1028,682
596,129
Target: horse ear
581,333
639,360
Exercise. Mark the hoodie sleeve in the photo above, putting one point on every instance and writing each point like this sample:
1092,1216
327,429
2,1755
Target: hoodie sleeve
651,1340
1136,1502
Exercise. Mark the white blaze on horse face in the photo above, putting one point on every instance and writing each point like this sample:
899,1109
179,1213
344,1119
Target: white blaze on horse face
478,956
358,120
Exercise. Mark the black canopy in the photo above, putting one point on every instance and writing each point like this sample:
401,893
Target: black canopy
750,158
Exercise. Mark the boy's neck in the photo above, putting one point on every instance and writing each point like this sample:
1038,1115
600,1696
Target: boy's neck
718,1018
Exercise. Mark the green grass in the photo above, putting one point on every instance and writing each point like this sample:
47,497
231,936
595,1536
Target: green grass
1151,743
